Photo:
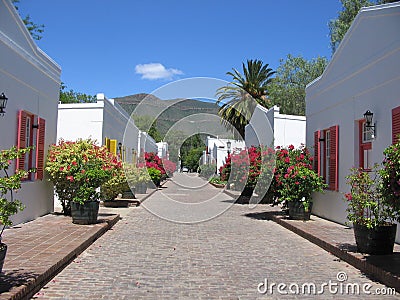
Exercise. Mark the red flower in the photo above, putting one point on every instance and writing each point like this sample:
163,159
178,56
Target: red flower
291,147
348,196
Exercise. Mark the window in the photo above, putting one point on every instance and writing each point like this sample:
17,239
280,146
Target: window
395,124
326,155
31,133
364,145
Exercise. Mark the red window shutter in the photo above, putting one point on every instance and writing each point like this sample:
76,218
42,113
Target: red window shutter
21,138
395,124
317,152
334,158
40,140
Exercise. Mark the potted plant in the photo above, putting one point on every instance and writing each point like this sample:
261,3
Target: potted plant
374,203
77,170
143,180
155,176
295,181
370,212
8,184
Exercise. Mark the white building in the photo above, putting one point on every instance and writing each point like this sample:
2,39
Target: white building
106,122
31,81
364,74
268,127
162,150
218,149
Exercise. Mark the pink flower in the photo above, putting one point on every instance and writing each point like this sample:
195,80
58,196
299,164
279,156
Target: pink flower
287,160
61,169
297,182
74,163
70,178
348,196
291,147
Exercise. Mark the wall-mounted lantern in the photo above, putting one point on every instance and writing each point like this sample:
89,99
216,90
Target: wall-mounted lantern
228,146
3,103
368,116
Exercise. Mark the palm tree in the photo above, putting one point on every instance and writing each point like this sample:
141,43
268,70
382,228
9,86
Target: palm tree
243,93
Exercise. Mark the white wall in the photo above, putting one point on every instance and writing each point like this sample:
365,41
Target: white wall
363,75
31,81
98,121
81,120
162,151
270,128
219,151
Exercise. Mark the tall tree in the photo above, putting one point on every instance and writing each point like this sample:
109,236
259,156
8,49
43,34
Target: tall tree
34,29
70,96
287,89
238,99
350,8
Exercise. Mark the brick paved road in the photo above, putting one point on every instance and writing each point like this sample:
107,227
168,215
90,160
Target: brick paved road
145,257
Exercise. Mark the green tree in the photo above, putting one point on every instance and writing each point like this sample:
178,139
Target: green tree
338,27
34,29
192,158
287,89
239,98
70,96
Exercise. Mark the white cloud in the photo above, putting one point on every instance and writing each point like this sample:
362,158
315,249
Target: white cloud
155,71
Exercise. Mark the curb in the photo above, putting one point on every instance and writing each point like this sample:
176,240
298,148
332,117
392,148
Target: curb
385,277
32,287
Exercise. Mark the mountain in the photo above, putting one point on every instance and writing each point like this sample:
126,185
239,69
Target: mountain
172,110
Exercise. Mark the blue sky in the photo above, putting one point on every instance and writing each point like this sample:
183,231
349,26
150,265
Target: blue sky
123,47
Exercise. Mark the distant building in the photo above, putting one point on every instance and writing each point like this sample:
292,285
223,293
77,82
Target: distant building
31,81
268,127
162,150
363,75
218,149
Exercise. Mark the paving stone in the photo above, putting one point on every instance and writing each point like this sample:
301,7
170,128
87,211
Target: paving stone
227,257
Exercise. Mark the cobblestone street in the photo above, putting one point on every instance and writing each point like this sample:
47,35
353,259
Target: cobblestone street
227,257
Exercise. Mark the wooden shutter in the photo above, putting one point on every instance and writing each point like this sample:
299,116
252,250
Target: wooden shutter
317,152
21,138
395,124
40,141
113,146
334,158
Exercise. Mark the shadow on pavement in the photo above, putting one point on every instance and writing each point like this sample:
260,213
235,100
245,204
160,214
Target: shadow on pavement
14,278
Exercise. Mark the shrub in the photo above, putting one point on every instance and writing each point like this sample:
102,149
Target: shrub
10,183
390,175
155,175
206,171
78,168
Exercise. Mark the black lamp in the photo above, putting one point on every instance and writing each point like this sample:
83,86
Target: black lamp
368,116
3,103
228,146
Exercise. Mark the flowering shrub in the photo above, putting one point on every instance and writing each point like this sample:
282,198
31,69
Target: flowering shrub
295,179
78,168
390,175
248,167
10,183
365,204
169,167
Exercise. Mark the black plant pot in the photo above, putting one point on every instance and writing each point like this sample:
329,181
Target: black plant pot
378,240
84,214
3,252
298,212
